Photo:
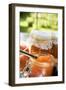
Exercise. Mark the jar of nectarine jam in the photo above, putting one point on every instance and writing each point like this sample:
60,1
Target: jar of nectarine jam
42,66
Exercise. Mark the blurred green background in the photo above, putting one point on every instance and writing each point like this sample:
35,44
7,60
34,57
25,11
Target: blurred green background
38,21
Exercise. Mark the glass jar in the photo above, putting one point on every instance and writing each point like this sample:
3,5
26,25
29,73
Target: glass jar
40,42
43,44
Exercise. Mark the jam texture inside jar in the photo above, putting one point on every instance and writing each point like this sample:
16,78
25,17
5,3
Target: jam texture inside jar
42,66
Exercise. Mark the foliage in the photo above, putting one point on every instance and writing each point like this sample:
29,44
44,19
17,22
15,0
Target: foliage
38,21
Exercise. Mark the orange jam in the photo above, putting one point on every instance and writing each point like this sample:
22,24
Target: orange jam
42,66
